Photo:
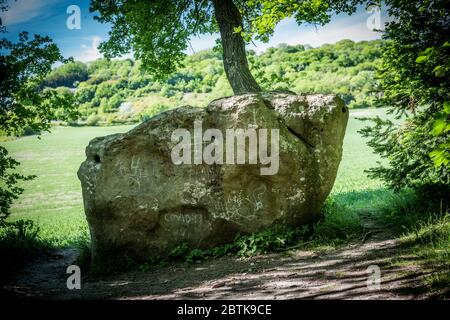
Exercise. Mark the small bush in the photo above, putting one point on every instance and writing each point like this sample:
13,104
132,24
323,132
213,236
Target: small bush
28,131
19,242
272,239
180,251
21,233
152,111
93,120
338,225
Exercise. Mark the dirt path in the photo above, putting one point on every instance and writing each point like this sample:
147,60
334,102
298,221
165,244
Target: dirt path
338,274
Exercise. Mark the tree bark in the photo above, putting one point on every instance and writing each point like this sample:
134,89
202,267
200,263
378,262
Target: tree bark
234,56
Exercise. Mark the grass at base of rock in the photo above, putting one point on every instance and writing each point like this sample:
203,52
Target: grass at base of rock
338,226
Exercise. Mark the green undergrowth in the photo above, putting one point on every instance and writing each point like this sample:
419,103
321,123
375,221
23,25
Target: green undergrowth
338,226
422,223
22,241
19,243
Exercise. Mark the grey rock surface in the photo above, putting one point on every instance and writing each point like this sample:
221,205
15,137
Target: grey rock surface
139,203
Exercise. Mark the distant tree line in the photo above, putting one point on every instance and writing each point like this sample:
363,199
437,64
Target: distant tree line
346,68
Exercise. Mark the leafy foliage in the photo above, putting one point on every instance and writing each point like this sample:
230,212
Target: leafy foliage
416,84
9,190
269,240
24,66
23,106
159,44
67,75
261,17
273,239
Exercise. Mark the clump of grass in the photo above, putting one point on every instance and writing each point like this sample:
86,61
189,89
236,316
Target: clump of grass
430,243
435,257
19,243
423,225
433,231
409,210
62,233
83,245
439,282
339,225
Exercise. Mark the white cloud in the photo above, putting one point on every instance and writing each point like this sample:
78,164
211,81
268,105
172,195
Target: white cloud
23,10
341,27
90,52
346,28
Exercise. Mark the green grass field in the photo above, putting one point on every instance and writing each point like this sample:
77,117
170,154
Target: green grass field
54,198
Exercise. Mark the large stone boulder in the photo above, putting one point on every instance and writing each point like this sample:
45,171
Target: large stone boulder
141,201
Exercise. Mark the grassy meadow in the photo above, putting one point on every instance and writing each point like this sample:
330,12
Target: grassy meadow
54,198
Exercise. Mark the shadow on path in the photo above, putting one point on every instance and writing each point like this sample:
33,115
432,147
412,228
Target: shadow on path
339,274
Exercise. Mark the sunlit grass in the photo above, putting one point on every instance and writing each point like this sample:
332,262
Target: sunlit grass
53,200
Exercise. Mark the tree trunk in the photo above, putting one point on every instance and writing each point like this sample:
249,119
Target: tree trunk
234,56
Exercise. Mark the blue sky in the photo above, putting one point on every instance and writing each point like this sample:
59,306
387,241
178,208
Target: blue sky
48,17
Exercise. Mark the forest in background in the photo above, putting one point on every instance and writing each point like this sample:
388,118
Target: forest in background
118,91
